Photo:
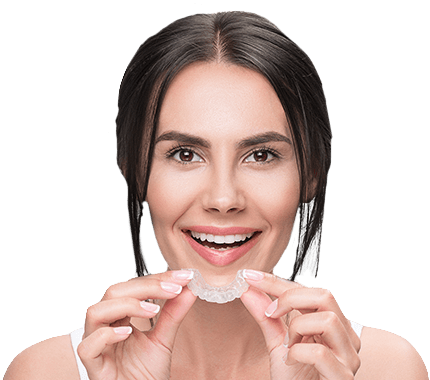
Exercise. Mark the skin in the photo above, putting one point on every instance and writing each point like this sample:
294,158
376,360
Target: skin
222,185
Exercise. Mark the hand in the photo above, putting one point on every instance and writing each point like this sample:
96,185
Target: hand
321,344
113,349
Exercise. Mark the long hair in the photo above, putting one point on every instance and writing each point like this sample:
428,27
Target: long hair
242,39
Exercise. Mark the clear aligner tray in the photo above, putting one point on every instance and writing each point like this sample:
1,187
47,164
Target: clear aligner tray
217,294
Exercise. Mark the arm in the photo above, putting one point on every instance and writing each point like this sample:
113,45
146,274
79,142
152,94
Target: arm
51,359
387,356
320,338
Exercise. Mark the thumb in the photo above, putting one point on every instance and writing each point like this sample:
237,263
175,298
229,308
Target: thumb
274,330
171,317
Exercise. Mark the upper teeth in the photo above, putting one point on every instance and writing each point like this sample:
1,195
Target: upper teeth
220,239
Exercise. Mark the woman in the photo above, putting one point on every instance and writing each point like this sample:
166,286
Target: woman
223,130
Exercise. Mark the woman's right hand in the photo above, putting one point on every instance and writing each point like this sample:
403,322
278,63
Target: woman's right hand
113,349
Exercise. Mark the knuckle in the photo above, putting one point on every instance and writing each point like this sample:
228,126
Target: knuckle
283,298
92,313
111,292
82,350
326,296
271,278
124,302
331,319
148,281
102,334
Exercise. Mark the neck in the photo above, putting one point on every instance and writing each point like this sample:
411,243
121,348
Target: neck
217,338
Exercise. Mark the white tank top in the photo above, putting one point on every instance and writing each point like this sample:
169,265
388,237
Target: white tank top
76,338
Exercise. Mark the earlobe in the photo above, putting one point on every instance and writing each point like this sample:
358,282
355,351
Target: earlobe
311,189
314,185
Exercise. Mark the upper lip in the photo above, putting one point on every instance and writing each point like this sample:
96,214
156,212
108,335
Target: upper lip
221,231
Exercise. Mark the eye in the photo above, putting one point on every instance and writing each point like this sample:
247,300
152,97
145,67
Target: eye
185,155
260,155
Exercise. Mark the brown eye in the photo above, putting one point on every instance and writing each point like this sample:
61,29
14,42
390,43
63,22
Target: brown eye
261,156
186,156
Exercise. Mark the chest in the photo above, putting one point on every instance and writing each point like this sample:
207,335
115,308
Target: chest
220,370
195,374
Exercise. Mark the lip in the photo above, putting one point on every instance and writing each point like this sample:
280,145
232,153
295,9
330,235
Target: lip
221,258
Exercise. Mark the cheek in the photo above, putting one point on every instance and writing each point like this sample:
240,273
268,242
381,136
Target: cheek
278,198
168,197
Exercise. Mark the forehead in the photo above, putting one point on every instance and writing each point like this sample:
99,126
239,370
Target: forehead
219,96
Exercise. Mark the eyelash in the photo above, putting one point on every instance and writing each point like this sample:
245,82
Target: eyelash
171,153
266,149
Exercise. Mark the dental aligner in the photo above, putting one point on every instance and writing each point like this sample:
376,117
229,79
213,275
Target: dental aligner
217,294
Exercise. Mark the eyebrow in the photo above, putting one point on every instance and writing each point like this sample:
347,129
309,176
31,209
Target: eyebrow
186,138
183,138
263,138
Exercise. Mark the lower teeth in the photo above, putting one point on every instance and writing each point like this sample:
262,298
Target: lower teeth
220,249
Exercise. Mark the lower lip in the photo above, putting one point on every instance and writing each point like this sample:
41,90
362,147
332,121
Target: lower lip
221,258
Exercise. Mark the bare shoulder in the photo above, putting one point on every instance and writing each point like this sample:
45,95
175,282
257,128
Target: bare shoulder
50,359
387,356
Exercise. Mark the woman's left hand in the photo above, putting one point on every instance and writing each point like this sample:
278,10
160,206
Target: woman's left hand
321,344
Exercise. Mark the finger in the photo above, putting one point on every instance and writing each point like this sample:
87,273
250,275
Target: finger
171,317
310,300
107,312
273,329
319,357
307,300
327,329
150,286
269,283
91,348
293,296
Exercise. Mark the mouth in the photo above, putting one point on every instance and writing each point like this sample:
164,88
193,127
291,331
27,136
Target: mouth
221,242
221,247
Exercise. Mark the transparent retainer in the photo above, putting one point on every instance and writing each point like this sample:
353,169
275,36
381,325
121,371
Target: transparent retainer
217,294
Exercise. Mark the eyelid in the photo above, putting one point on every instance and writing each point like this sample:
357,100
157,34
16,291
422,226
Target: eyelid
269,150
177,148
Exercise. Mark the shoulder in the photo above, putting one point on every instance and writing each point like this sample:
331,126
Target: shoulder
50,359
387,356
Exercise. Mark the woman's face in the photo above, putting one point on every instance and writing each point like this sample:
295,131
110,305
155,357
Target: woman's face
224,169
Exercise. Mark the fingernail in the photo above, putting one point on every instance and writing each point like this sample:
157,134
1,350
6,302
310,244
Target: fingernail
182,274
124,330
286,340
171,287
149,306
271,309
251,274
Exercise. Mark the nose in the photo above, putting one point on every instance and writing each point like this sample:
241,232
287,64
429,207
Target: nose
223,193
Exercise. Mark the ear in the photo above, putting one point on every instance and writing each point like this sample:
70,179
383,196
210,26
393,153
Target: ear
311,188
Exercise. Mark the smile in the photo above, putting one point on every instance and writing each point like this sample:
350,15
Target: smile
221,246
221,242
